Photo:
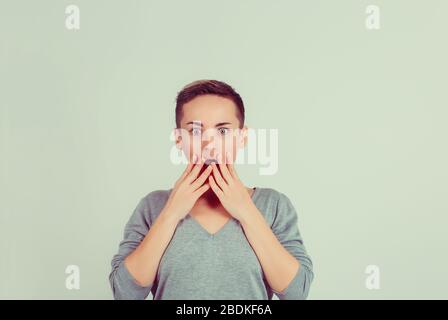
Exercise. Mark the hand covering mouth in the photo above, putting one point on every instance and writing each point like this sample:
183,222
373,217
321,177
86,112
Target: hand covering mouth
207,162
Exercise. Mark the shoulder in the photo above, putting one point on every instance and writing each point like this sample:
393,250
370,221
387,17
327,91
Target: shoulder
151,204
273,204
271,195
157,196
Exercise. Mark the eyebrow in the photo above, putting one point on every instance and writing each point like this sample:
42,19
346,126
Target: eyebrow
200,123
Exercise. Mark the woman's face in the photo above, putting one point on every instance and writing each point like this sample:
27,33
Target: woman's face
209,129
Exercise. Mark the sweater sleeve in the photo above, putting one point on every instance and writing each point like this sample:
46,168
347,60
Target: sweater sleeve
286,229
123,284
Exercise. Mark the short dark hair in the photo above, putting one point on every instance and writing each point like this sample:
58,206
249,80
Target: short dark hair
203,87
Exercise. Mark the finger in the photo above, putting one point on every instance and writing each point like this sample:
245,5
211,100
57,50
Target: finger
199,181
218,178
215,187
184,174
230,166
194,173
187,169
201,191
224,171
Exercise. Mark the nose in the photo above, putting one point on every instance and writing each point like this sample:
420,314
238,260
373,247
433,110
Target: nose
209,151
211,144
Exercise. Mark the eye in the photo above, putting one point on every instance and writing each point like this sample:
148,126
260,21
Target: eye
223,131
195,131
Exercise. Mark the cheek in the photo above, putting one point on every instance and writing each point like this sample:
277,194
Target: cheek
186,147
192,146
230,145
187,143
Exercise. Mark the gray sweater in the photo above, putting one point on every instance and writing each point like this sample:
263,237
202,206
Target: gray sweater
197,265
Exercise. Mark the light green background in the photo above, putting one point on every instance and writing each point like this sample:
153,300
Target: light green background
86,117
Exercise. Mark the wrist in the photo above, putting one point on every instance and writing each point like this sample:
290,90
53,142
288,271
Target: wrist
248,213
167,216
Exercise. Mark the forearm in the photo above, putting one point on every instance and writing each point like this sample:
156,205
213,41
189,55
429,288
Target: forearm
143,262
278,265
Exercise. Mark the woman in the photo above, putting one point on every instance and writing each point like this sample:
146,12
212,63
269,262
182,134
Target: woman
210,236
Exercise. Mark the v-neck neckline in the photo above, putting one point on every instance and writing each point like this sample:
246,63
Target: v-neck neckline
223,227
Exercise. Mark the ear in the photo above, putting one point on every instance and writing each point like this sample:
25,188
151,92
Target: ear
178,138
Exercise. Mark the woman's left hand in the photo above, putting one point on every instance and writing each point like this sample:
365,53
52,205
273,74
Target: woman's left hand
229,189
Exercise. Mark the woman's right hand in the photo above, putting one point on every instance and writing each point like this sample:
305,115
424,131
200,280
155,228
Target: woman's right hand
187,190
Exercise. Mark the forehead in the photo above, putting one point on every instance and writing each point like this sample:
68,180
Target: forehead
210,109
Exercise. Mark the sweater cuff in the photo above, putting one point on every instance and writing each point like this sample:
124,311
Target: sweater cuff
129,281
297,288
